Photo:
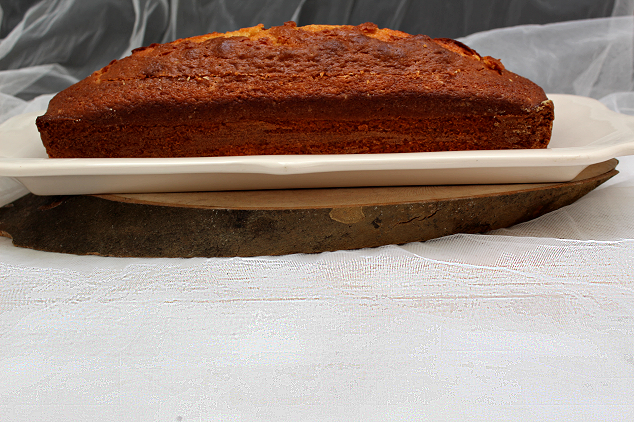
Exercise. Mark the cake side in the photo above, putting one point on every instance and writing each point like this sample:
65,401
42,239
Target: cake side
316,89
305,136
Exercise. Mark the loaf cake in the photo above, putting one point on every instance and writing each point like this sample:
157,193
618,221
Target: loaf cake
317,89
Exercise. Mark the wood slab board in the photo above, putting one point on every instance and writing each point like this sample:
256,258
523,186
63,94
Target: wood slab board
252,223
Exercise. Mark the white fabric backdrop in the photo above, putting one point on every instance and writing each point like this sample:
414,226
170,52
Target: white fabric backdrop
534,322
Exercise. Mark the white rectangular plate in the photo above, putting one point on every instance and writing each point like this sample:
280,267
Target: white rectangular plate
585,132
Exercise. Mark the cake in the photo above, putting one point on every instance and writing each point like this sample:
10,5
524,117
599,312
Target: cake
317,89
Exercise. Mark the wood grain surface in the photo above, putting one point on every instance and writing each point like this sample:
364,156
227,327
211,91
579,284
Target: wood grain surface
251,223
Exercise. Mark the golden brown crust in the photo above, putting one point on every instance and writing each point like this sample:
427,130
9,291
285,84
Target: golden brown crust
307,77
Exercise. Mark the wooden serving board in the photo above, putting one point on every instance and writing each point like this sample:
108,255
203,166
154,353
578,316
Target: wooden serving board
251,223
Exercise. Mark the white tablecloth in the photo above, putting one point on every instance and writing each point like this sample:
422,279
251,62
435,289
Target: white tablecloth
533,322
